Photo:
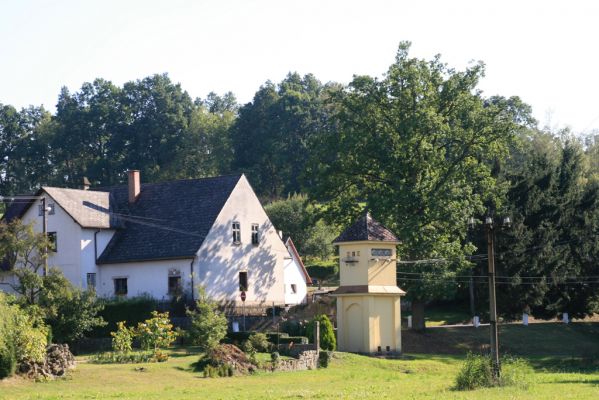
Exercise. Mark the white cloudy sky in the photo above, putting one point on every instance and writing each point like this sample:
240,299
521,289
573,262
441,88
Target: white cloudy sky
543,51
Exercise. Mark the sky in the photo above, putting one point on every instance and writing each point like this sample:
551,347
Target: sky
546,52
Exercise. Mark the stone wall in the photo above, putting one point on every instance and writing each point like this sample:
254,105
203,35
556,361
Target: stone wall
306,360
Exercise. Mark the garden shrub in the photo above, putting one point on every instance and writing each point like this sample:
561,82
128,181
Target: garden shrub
260,342
208,325
324,358
131,310
20,339
275,357
294,327
8,361
156,333
122,339
70,311
327,333
516,372
134,357
29,342
476,372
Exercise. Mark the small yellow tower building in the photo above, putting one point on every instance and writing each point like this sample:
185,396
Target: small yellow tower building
368,299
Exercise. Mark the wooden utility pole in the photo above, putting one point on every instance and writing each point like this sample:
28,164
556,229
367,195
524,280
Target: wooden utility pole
492,302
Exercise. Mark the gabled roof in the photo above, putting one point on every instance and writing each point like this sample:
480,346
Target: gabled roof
366,229
169,219
291,246
88,208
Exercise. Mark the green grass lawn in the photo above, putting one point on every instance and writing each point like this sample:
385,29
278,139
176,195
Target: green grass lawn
348,377
579,339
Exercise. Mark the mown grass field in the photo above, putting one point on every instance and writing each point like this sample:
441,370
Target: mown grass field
566,373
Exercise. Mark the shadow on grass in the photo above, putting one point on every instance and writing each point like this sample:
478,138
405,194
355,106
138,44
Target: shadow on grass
592,382
565,365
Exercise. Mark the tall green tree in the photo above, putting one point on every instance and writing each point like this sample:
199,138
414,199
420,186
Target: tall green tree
417,147
87,124
296,217
273,136
24,148
549,254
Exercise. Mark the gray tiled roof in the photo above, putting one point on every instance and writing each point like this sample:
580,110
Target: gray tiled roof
366,228
168,220
88,208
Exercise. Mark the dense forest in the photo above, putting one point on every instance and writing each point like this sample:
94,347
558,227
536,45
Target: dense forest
421,147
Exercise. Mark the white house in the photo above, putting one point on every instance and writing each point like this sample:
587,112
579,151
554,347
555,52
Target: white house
164,238
296,276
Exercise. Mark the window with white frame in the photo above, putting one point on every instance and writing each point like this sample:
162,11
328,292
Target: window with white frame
120,286
236,232
255,235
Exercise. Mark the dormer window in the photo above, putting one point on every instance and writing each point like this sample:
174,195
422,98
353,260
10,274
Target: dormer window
255,235
236,233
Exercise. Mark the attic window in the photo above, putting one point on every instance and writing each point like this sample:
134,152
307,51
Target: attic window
255,235
293,288
51,209
236,233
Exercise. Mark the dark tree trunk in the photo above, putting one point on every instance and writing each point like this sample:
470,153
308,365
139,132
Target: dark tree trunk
418,316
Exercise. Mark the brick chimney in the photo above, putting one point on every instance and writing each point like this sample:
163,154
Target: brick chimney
134,185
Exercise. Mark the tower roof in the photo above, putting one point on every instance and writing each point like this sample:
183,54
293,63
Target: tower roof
366,229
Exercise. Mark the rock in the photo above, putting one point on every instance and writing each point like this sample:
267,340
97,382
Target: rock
59,360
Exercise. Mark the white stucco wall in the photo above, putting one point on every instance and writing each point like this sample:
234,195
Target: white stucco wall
143,278
93,243
220,260
68,236
294,275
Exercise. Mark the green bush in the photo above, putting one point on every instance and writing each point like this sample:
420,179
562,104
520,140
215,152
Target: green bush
324,358
132,311
122,339
294,327
20,338
70,311
29,342
327,333
260,342
476,372
155,333
134,357
516,372
323,270
208,325
8,362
